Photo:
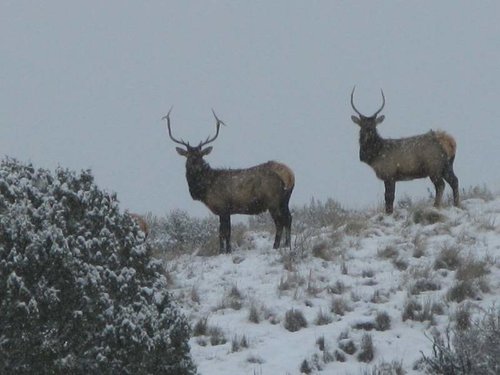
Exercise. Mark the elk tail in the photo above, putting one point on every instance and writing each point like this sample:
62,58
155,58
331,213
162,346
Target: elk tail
285,173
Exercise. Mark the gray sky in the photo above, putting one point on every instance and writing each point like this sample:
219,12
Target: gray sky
85,84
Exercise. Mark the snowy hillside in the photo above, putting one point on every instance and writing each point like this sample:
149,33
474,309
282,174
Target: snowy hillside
377,286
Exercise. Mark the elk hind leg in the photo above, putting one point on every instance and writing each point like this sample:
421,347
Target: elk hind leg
279,223
287,218
452,180
439,185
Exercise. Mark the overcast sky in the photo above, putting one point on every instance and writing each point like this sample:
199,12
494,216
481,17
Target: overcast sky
85,84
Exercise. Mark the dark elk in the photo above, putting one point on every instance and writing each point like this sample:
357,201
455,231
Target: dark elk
248,191
426,155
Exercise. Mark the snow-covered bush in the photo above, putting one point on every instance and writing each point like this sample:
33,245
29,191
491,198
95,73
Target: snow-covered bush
474,350
180,232
315,215
79,291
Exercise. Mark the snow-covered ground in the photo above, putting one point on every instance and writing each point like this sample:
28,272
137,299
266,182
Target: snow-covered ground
372,266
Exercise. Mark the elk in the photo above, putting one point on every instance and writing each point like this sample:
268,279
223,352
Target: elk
426,155
225,192
141,223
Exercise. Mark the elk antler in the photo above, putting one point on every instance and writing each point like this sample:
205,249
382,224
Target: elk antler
359,113
383,104
352,103
209,140
167,119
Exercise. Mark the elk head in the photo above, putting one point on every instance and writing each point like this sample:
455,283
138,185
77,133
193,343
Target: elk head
197,169
367,123
193,152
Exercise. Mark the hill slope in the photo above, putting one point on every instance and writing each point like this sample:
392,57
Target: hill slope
397,281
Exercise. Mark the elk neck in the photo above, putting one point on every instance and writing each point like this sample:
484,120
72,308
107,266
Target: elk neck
370,145
199,176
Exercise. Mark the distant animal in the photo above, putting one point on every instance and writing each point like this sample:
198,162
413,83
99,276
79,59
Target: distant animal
248,191
141,223
426,155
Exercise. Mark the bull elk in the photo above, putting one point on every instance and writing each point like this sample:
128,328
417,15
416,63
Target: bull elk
248,191
426,155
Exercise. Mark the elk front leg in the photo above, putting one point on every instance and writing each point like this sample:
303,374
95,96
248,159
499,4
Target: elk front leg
225,233
390,190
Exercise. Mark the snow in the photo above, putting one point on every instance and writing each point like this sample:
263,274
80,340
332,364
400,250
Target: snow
376,281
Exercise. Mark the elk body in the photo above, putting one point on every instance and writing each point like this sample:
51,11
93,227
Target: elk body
426,155
248,191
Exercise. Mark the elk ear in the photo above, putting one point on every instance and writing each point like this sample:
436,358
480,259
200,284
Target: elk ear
356,120
206,151
379,119
181,151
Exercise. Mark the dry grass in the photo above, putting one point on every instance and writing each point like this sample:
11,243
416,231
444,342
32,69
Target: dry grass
239,343
340,306
477,192
448,258
233,299
471,269
291,281
254,315
382,321
200,328
294,320
366,350
421,311
337,288
323,318
348,346
427,216
388,252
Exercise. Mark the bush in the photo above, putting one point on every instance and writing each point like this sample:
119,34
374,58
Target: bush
427,216
382,321
314,215
448,258
294,320
179,232
474,350
386,368
79,291
348,346
323,318
366,351
421,312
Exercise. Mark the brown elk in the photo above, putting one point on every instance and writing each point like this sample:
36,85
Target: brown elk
426,155
141,223
248,191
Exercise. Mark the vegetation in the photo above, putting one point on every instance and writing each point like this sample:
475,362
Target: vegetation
80,291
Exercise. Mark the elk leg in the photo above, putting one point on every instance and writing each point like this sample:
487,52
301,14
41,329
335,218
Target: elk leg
452,180
278,222
390,190
225,233
288,226
439,185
